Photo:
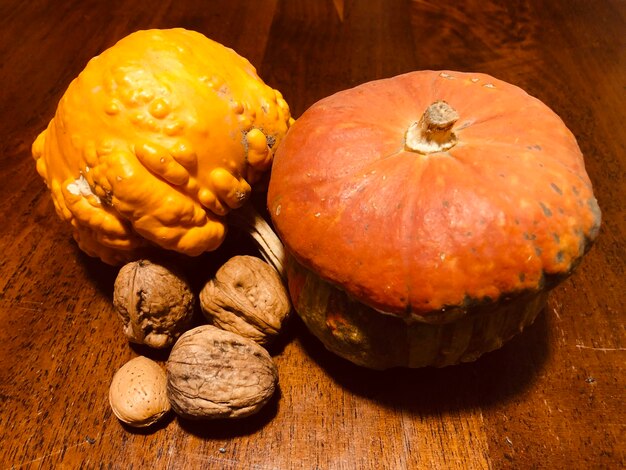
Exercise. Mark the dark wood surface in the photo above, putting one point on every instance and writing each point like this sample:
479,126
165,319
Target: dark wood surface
551,398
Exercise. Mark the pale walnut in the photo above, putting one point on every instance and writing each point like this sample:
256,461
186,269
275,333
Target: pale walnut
247,297
138,393
213,373
154,302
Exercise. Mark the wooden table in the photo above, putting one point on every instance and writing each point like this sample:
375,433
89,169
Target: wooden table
551,398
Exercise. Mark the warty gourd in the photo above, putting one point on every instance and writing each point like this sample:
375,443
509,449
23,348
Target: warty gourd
156,141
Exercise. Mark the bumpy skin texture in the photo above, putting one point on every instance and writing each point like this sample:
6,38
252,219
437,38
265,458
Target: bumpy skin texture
507,210
155,141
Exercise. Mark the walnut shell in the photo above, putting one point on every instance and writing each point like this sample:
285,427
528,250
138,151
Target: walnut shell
247,297
213,373
154,302
138,392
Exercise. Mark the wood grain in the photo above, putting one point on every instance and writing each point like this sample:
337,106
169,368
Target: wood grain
551,398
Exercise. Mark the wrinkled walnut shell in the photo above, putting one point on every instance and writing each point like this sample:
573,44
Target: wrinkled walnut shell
138,393
154,302
213,373
247,297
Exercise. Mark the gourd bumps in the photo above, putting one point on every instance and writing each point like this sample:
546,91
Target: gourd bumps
155,141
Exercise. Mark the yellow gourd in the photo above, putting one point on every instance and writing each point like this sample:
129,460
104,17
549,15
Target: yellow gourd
156,140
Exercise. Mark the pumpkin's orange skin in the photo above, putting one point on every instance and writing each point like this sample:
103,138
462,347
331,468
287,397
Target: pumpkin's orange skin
508,210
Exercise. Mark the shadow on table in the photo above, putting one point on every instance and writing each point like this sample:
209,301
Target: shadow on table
229,428
215,428
496,377
197,269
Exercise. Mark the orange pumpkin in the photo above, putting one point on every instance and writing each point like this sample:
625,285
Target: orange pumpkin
428,215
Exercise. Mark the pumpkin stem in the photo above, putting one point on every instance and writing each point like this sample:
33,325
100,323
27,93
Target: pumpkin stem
433,132
270,247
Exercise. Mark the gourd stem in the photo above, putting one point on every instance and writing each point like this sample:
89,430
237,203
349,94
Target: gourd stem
433,132
271,248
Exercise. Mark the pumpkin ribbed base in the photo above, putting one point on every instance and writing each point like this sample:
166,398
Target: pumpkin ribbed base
378,341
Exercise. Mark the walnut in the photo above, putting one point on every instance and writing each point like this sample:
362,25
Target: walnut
138,393
247,297
154,302
213,373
